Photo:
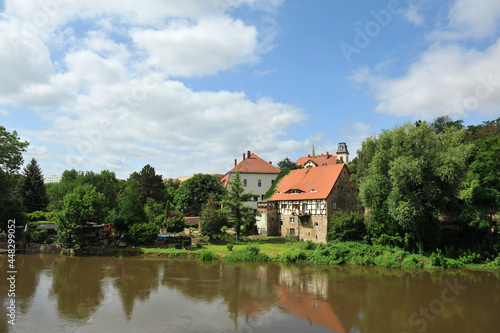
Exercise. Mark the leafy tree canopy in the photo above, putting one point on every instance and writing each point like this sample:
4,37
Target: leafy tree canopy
194,193
287,164
11,151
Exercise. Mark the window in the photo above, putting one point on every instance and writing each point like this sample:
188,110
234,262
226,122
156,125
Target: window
334,205
281,222
316,224
245,182
304,206
292,219
259,183
341,188
295,192
283,206
292,231
338,188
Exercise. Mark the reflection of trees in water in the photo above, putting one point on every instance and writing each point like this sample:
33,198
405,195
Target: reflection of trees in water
374,299
134,279
76,284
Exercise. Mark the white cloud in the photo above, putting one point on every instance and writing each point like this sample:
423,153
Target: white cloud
4,112
413,14
204,48
445,80
470,19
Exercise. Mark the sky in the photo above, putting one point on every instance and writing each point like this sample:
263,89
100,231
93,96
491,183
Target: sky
188,86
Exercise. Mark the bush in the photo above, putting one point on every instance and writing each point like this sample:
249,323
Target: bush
229,247
412,261
208,256
293,255
436,259
175,223
142,234
387,240
39,236
309,245
249,253
347,226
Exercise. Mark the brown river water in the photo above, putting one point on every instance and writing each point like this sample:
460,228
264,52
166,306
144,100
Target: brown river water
56,293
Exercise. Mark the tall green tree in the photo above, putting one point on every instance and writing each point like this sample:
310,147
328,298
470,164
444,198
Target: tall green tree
194,193
243,217
84,204
211,218
410,174
11,160
33,190
150,185
130,208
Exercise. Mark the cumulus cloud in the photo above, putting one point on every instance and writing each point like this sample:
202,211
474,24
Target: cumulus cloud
413,14
450,77
204,48
469,19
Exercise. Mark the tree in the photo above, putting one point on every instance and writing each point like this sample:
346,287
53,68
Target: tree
287,164
33,190
142,234
171,187
150,185
233,206
11,159
174,221
82,205
130,208
408,175
194,193
211,218
11,151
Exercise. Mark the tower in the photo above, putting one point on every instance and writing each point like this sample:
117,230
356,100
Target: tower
342,152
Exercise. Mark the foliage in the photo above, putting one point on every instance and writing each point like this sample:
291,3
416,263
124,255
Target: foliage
174,221
154,211
82,205
408,175
33,189
150,185
287,164
346,226
208,256
211,218
194,193
272,190
142,234
412,261
233,206
11,151
130,208
230,247
249,253
39,236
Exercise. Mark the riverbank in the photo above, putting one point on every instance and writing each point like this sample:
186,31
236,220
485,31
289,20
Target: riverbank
277,249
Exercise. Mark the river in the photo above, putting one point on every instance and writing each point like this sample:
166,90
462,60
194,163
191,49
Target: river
56,293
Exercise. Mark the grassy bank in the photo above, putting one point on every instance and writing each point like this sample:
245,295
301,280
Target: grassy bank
289,250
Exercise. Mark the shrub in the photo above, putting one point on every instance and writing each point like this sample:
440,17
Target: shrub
387,240
208,256
412,261
309,245
142,234
293,255
39,236
249,253
198,245
436,259
175,223
229,247
347,226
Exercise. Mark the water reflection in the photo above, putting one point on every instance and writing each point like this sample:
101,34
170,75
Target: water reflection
131,294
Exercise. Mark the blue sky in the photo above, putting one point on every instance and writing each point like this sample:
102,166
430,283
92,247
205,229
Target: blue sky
188,86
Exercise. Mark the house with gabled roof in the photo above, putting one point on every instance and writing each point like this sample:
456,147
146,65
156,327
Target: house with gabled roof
306,199
313,160
257,175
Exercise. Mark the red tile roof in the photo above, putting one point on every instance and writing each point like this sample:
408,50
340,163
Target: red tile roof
255,164
319,160
225,179
312,183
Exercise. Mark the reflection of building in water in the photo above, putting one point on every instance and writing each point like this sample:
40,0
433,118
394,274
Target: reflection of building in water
315,284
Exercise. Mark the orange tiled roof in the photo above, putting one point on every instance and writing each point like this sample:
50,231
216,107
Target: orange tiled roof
225,179
319,160
255,164
312,183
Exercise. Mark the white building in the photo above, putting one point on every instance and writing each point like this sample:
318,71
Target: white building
256,175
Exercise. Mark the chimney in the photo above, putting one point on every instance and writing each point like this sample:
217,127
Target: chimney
248,154
308,155
235,162
243,156
270,162
327,155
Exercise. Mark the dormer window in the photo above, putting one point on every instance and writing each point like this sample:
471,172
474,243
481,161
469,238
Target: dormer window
313,191
294,191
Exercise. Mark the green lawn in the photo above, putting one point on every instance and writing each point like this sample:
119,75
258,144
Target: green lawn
272,246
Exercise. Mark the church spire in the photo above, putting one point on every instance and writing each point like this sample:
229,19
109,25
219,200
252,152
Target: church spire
313,154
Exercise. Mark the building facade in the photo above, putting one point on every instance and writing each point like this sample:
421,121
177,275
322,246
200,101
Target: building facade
306,199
